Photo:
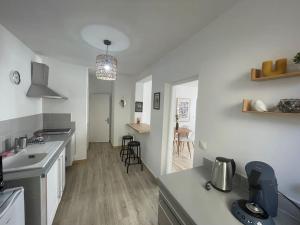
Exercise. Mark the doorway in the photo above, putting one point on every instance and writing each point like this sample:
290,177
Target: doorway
99,118
180,152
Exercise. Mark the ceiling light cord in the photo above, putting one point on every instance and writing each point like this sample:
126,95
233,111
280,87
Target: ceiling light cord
106,50
107,43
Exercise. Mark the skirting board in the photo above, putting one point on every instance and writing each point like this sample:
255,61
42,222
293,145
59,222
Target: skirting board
79,161
150,172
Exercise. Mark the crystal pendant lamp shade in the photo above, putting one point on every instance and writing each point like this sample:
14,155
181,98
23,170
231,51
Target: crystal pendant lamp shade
106,65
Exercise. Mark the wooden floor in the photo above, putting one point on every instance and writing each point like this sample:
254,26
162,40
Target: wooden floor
100,192
183,161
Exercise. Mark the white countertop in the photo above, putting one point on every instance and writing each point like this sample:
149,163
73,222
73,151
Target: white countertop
207,207
53,146
49,148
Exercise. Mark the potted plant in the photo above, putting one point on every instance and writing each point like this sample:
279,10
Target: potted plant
294,64
296,59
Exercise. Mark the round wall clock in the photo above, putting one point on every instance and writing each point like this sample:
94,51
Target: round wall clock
15,77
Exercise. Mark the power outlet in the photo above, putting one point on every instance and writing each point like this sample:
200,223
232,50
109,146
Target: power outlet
203,145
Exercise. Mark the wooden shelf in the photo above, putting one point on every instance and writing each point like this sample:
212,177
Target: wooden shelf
247,109
256,75
141,128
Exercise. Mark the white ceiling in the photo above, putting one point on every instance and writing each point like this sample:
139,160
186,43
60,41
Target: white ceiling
154,27
189,84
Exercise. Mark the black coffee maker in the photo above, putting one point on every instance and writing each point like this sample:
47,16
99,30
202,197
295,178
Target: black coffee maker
263,196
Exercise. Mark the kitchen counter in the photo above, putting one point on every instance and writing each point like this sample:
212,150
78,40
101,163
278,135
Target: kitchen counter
186,190
54,146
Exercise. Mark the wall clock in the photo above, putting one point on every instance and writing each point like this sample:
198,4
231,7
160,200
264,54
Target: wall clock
15,77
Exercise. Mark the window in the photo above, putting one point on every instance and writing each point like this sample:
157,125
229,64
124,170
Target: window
143,93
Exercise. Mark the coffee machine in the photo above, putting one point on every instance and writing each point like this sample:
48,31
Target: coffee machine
262,204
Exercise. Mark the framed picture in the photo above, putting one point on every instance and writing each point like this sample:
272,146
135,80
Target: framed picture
138,106
183,107
156,100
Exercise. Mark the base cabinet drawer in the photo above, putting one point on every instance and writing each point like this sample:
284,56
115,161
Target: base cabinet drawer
170,212
165,216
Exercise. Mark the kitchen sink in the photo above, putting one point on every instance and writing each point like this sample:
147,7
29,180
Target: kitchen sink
23,159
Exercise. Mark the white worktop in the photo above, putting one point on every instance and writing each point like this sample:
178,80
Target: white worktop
207,207
54,144
49,148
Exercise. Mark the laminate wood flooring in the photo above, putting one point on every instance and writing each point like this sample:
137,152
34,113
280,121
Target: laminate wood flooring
100,192
183,161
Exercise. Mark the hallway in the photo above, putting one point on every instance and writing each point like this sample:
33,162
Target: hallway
99,192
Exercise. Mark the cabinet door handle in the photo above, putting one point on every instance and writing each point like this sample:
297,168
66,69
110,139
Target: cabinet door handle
59,178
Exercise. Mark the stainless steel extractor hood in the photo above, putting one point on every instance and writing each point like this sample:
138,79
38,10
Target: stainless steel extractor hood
39,83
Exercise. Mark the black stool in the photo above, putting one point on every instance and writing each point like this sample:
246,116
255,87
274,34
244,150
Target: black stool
132,147
124,150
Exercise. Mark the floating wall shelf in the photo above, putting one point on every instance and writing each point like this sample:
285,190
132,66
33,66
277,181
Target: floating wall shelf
256,75
141,128
247,109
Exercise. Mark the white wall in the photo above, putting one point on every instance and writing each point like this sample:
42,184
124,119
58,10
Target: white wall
14,55
72,82
147,102
122,88
222,55
143,93
138,97
99,86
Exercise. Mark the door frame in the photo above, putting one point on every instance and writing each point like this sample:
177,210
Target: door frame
167,154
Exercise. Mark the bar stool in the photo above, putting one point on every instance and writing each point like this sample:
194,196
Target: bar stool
134,152
124,150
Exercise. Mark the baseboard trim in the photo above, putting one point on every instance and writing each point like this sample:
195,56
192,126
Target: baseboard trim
115,147
79,161
150,172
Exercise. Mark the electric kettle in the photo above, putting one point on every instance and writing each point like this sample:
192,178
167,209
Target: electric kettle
222,174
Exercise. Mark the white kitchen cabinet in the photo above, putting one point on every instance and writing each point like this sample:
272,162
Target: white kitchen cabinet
71,150
165,216
55,186
62,172
169,213
52,192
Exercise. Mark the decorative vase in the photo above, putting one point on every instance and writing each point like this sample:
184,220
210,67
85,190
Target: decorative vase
280,67
259,105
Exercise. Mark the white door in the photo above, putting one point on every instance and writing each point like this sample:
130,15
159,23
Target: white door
99,118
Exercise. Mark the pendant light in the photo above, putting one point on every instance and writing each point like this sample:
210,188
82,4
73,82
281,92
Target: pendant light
106,65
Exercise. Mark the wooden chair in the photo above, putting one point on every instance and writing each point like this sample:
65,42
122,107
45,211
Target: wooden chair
182,136
186,139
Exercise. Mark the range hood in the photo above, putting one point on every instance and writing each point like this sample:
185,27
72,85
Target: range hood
39,83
